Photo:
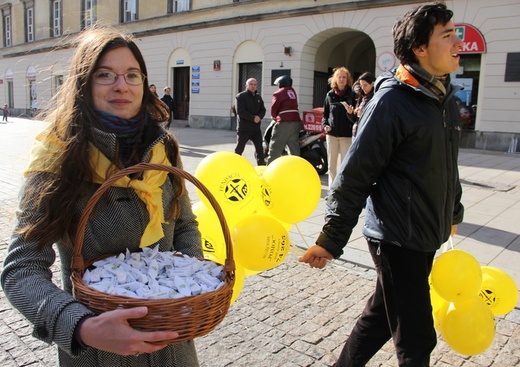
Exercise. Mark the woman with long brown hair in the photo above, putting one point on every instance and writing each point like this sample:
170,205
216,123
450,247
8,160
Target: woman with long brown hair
104,118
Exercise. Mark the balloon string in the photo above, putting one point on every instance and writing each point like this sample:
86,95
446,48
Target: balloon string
448,243
302,251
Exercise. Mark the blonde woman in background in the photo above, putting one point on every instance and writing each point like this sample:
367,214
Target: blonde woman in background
339,103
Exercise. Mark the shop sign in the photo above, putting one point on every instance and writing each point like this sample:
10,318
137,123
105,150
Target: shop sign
473,40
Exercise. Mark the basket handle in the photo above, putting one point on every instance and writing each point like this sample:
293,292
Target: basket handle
78,261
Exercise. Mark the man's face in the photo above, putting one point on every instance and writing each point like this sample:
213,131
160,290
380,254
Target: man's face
251,85
441,55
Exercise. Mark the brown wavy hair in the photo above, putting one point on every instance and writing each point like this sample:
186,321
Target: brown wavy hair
333,80
71,118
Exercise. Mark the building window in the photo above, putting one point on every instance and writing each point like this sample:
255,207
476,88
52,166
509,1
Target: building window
58,82
88,15
178,6
129,8
6,15
29,21
55,18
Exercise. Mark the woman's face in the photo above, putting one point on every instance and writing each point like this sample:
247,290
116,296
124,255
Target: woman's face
119,99
342,80
366,86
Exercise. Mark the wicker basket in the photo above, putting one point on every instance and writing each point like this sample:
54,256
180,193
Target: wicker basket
191,316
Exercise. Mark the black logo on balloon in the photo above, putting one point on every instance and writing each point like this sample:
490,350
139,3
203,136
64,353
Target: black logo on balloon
236,190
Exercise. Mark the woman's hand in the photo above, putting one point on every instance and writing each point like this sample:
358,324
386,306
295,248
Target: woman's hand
349,108
327,128
111,332
316,256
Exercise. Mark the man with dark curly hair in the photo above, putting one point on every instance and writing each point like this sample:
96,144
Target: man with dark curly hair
403,162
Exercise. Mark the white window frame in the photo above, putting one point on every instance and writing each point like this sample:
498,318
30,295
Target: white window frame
129,10
88,13
8,31
29,18
179,6
56,18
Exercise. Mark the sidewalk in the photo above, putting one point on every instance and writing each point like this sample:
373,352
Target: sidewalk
293,315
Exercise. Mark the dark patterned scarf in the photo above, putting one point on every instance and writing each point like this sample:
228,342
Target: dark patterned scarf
119,125
437,85
128,132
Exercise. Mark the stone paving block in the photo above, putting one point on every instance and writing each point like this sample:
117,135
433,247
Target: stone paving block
6,360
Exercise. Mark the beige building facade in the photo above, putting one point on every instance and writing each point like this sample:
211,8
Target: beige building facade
206,49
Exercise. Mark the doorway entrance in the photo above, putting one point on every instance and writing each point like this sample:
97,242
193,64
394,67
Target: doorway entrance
468,77
346,47
181,92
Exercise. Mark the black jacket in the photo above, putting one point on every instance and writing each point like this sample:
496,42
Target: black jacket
249,105
168,99
404,160
335,115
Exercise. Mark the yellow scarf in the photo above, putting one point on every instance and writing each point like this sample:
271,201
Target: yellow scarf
46,156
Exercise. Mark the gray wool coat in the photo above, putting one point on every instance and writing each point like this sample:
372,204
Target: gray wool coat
117,223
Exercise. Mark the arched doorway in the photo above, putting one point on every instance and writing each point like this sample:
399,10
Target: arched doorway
249,60
339,47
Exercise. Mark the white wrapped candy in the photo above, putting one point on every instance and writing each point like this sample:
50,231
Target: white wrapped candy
153,274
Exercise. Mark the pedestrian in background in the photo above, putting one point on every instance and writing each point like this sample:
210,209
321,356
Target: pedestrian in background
250,112
5,112
339,103
89,137
153,89
168,100
404,160
366,83
285,130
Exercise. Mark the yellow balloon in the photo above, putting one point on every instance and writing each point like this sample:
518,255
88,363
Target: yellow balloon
439,312
240,277
263,210
498,290
291,188
213,244
456,275
439,307
260,170
249,272
259,242
233,181
469,326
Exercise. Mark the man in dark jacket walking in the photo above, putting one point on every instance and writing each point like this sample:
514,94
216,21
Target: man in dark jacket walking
168,99
404,160
250,112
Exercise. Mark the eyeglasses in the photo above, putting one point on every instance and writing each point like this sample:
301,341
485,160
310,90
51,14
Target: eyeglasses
109,77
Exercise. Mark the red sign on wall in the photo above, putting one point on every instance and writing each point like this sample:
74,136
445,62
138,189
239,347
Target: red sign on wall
473,40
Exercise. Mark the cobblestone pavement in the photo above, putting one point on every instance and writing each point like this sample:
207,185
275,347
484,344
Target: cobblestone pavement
291,315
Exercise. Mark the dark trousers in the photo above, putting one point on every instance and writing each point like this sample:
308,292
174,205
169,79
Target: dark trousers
400,309
256,137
